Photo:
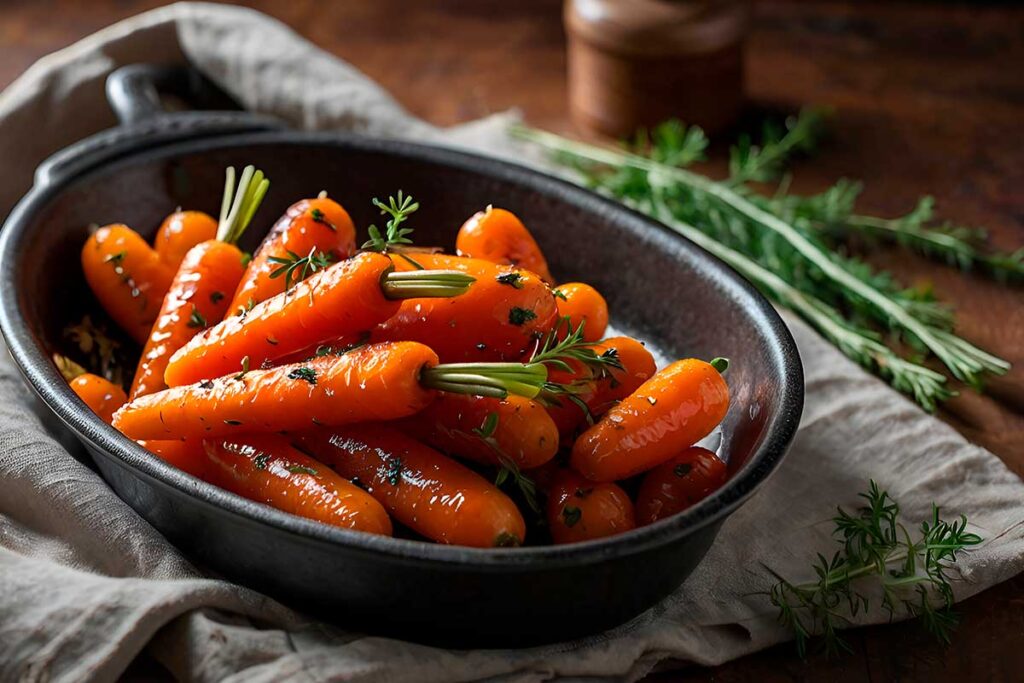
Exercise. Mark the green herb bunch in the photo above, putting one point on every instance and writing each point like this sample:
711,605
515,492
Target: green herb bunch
912,575
790,246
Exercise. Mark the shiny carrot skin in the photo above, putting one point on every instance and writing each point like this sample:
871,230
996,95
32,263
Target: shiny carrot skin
498,236
523,432
421,488
268,469
309,225
601,394
127,277
198,298
581,510
583,304
102,396
667,414
682,482
181,231
375,382
501,316
343,300
187,455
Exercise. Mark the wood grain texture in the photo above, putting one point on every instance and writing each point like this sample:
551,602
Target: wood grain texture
928,99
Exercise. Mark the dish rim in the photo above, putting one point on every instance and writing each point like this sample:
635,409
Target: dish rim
55,393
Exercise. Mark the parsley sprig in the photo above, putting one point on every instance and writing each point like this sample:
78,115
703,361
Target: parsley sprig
913,575
294,268
399,209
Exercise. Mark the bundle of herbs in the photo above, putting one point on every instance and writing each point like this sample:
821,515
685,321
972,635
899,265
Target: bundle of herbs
792,247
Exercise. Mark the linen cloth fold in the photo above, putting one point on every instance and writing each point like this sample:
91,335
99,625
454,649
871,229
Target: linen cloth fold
86,584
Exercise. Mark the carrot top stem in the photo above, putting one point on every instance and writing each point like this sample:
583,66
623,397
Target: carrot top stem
240,203
494,380
720,364
419,284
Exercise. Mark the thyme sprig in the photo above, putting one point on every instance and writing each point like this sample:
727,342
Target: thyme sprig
784,244
399,209
509,470
913,575
557,350
294,268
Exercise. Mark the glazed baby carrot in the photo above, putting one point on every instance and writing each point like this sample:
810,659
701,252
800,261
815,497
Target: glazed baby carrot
198,294
421,488
501,316
498,236
598,392
580,510
127,277
583,305
683,481
346,300
668,413
187,455
101,395
487,430
310,234
378,382
268,469
181,231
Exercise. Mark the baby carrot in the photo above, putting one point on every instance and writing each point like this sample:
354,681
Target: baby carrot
498,236
198,294
268,469
487,430
501,316
683,481
346,300
424,490
100,395
181,231
376,382
311,232
668,413
583,305
581,510
187,455
127,277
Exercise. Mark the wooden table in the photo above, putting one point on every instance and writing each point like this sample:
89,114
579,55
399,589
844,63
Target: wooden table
928,98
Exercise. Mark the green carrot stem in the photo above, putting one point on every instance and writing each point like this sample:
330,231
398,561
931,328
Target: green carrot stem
240,202
496,380
420,284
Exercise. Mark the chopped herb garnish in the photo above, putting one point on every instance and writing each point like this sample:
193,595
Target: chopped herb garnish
233,423
216,297
272,341
394,472
571,515
490,424
507,540
260,461
520,316
559,294
246,258
301,469
297,268
117,258
245,368
196,319
513,279
682,469
306,374
206,384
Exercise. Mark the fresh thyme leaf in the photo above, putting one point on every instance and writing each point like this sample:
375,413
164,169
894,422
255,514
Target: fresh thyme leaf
301,469
305,374
196,319
559,294
876,547
512,279
487,429
398,209
574,347
394,471
295,268
520,316
318,216
260,461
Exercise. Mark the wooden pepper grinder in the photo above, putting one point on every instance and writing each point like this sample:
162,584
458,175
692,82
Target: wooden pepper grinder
636,63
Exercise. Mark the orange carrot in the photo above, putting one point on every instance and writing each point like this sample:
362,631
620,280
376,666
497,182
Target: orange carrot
309,229
268,469
583,305
198,295
580,510
424,490
100,395
668,413
127,277
498,236
187,455
682,482
600,394
196,300
345,300
487,430
501,316
181,231
376,382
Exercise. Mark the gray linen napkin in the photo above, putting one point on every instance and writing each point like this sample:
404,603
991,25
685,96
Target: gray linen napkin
85,583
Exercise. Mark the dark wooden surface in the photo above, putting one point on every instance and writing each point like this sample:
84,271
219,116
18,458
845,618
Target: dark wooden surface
929,99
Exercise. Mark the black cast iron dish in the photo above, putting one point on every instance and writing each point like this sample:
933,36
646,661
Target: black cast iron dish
667,290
